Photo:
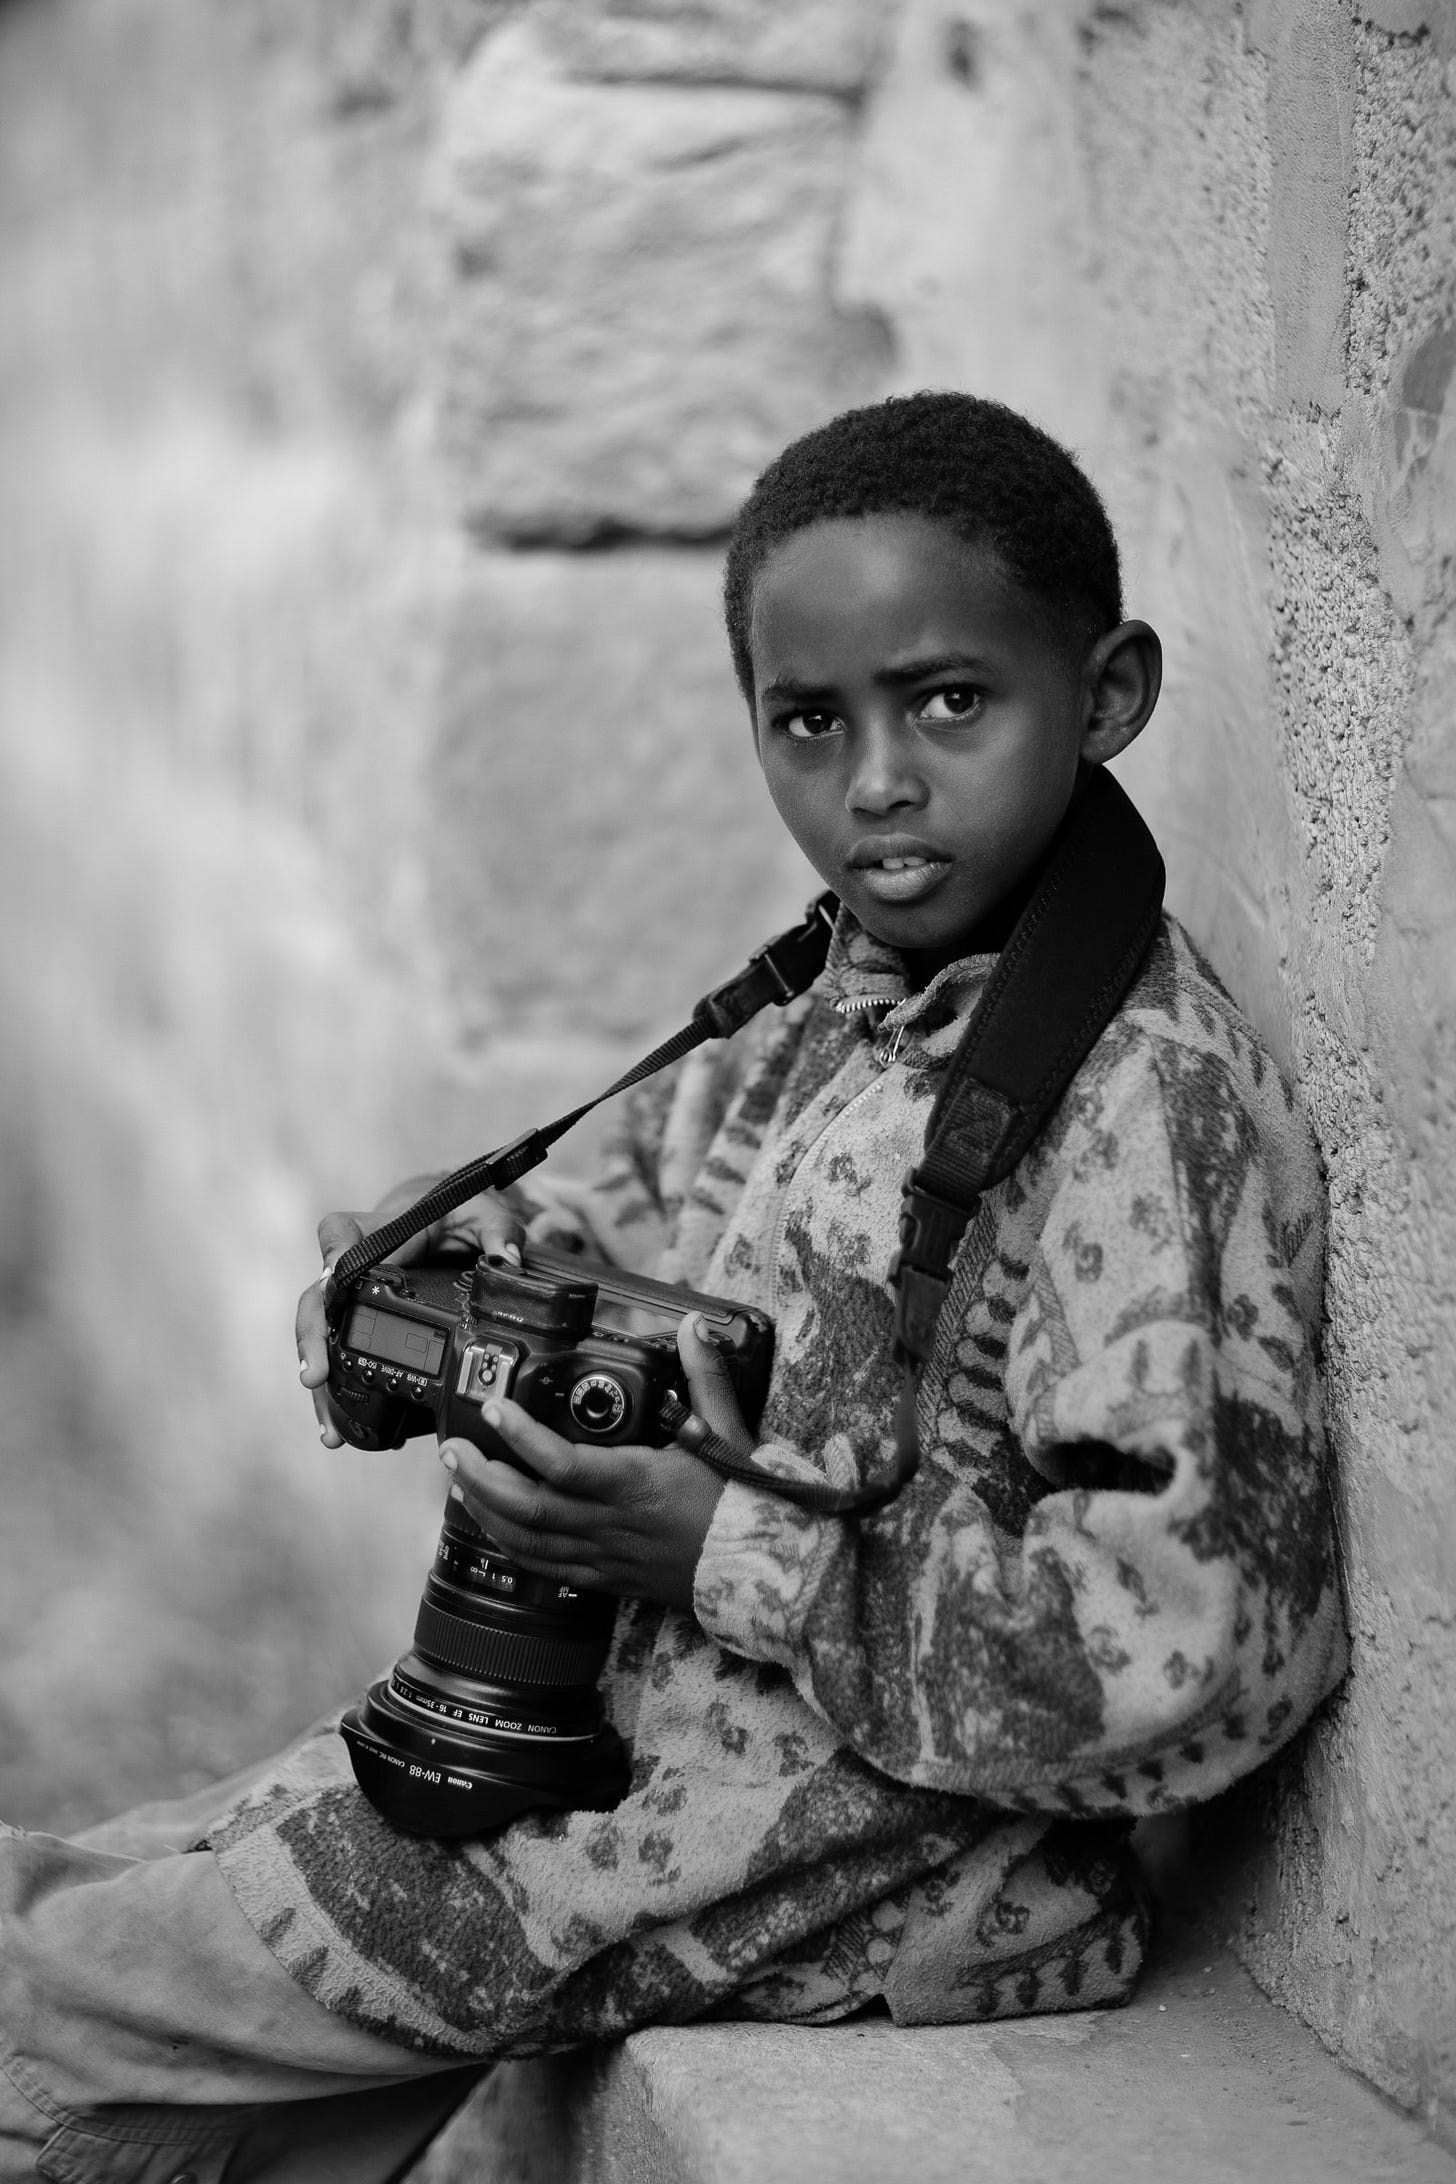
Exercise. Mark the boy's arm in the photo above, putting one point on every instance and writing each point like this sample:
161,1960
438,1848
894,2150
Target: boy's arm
627,1212
1167,1613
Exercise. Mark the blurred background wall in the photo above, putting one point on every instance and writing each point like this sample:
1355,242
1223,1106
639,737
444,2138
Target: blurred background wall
377,380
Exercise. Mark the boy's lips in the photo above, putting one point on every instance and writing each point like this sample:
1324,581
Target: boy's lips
897,867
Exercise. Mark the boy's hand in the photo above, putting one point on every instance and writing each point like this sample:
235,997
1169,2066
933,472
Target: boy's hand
625,1520
487,1222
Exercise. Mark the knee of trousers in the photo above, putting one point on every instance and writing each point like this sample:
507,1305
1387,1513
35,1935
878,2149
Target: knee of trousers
370,2137
128,1983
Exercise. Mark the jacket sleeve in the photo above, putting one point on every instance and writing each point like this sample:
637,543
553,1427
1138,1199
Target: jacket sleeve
658,1153
626,1212
1165,1612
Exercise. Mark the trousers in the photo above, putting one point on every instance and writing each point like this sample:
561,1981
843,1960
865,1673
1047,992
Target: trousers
147,2036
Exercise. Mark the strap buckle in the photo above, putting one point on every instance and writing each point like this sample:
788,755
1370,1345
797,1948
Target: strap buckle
779,971
931,1228
765,958
801,948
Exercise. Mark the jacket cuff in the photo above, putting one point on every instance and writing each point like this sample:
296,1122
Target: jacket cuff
762,1564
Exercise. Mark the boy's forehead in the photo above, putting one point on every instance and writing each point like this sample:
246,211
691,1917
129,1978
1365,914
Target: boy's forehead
855,588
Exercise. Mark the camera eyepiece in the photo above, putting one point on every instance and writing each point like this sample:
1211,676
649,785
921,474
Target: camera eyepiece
559,1309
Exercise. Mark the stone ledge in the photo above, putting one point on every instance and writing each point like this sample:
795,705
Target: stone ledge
1201,2078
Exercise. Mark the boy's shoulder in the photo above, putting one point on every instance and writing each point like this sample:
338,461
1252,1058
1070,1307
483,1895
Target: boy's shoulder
1178,1011
1180,1060
1179,1128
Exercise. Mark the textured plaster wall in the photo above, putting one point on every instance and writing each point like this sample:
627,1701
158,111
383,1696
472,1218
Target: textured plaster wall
378,381
1215,251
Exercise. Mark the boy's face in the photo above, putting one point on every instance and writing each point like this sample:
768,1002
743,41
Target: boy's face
918,725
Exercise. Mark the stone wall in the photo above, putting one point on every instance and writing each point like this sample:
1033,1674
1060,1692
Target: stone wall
377,382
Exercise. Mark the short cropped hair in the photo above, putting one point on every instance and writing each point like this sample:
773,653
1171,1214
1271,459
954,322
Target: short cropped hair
996,480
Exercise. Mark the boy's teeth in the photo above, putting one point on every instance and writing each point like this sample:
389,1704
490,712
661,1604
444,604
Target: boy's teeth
902,864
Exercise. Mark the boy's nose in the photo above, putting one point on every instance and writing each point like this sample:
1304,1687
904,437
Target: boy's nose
882,778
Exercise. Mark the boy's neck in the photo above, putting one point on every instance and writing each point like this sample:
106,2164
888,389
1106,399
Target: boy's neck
989,935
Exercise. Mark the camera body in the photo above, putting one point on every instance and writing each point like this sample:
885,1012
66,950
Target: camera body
588,1350
495,1709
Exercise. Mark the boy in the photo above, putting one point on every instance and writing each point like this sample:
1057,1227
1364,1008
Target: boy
891,1760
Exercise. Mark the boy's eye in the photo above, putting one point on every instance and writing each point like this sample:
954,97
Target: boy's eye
958,701
807,726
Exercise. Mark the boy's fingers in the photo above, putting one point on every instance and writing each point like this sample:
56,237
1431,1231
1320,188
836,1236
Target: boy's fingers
310,1334
589,1473
559,1230
550,1554
710,1386
531,1521
513,1499
499,1231
336,1233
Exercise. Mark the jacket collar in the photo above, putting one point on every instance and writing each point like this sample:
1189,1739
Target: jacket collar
863,975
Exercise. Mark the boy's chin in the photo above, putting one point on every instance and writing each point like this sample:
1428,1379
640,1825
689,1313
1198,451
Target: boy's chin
915,929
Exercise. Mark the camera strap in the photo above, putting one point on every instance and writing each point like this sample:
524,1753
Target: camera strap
1059,980
781,969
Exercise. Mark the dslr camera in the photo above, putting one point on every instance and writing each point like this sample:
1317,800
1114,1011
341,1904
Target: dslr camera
495,1708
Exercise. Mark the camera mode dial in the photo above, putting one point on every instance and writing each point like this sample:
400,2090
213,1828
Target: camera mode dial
599,1403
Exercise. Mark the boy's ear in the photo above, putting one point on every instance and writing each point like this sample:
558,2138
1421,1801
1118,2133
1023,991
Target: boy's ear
1122,678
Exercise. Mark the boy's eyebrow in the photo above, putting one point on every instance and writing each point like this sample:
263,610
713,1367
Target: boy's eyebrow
897,672
937,663
788,686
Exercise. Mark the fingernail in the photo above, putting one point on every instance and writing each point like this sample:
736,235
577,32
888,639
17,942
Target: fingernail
447,1458
302,1368
513,1253
456,1495
491,1414
701,1329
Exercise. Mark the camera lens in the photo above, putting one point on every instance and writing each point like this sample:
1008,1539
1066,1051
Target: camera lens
599,1402
495,1709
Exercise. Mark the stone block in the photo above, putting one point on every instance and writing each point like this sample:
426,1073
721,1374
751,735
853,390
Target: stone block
642,315
1310,48
967,226
1199,2078
818,45
602,844
1408,18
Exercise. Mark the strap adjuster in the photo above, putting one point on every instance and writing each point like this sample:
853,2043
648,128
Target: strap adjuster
931,1228
801,949
766,959
779,971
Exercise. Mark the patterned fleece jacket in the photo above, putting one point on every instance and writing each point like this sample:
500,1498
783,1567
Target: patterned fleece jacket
898,1758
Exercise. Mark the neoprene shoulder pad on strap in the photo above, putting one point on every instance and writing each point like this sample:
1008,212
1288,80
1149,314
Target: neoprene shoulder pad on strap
1058,982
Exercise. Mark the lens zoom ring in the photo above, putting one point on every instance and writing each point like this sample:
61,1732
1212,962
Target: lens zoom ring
506,1656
